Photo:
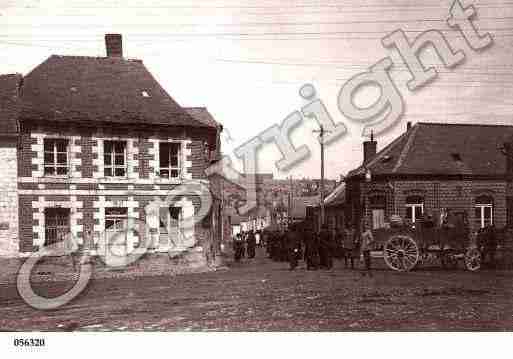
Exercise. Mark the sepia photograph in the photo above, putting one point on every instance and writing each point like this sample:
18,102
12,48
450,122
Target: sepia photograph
290,167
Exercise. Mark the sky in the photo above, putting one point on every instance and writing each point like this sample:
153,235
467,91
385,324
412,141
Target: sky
246,60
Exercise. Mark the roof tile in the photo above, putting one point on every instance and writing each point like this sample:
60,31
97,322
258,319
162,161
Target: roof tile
440,148
100,89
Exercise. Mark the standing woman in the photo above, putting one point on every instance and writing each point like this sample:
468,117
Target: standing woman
311,249
243,244
349,245
237,246
251,243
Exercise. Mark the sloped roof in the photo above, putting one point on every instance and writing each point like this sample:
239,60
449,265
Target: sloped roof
201,114
443,149
99,89
337,196
9,103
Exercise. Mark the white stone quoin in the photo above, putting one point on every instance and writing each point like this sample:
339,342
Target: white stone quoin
9,244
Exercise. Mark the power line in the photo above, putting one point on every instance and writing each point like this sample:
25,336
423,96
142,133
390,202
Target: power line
273,23
288,6
253,37
281,33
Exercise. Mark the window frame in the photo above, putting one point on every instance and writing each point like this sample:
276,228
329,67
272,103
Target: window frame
51,224
55,155
170,168
112,154
414,204
481,204
117,219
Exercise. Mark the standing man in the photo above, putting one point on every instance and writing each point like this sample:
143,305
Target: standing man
237,247
325,248
251,244
366,245
348,244
311,249
294,246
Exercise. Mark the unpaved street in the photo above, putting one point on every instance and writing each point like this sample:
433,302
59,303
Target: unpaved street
264,295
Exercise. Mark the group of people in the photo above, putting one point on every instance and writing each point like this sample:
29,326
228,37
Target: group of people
300,242
245,243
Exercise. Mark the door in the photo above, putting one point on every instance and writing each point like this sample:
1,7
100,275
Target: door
115,230
377,209
378,218
169,226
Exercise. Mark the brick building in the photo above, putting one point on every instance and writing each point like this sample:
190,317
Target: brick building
88,142
431,166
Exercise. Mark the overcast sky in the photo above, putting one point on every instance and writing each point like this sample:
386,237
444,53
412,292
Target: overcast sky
246,60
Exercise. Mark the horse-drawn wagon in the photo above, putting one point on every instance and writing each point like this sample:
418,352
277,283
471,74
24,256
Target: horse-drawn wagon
445,237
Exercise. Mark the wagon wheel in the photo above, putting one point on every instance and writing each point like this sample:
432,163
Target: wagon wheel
473,259
401,253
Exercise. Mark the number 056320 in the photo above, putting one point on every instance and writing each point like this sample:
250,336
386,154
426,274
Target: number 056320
29,342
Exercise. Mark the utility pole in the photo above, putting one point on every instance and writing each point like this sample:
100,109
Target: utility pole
322,132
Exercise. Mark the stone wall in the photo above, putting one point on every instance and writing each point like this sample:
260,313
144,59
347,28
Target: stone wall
8,197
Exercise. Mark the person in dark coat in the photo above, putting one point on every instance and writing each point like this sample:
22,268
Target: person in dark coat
293,246
325,248
283,254
251,244
311,245
349,245
492,246
237,247
271,243
487,243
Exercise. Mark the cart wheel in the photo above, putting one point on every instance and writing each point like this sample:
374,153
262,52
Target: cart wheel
473,259
401,253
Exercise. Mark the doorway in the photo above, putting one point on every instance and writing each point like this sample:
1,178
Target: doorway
170,219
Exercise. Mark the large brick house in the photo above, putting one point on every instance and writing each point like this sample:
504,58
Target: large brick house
87,142
462,167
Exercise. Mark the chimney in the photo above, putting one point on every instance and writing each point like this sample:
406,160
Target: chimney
369,149
114,45
408,125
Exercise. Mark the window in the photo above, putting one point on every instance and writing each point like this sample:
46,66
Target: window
57,225
414,208
377,206
483,211
55,156
114,155
114,218
169,153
